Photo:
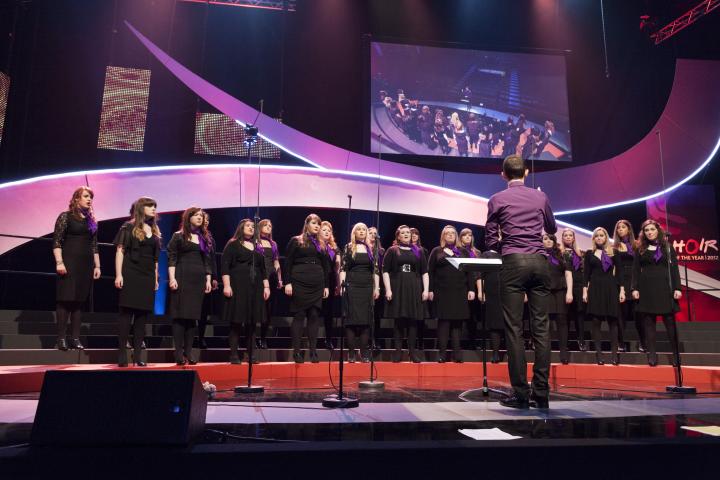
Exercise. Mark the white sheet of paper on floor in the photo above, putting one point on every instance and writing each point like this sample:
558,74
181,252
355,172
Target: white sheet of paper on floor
487,434
709,430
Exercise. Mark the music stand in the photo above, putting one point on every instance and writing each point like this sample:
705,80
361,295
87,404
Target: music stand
480,265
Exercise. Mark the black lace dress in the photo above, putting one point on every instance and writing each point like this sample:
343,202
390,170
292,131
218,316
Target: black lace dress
78,245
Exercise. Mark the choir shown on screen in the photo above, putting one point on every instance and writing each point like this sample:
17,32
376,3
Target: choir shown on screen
622,280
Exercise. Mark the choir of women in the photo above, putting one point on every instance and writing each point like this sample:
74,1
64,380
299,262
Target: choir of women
592,283
77,264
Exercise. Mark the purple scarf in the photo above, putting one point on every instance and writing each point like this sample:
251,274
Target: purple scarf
331,253
453,248
273,245
576,260
316,243
201,240
367,248
658,251
605,261
471,251
552,259
628,246
415,249
91,223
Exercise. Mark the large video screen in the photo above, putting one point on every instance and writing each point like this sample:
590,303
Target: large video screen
454,102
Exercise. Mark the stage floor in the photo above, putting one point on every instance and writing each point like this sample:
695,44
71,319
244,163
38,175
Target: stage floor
426,407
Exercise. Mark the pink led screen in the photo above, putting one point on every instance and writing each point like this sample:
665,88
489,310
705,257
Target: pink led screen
124,109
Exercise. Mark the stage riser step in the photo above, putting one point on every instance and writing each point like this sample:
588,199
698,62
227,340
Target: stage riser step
221,355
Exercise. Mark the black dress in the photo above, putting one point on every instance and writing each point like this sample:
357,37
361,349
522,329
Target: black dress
307,271
331,305
138,269
603,286
360,284
626,264
650,278
405,270
578,282
493,302
558,288
449,285
78,245
191,269
246,304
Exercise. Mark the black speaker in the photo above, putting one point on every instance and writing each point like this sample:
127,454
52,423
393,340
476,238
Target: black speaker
131,407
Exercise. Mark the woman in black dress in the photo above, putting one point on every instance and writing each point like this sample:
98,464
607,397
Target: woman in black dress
603,291
467,241
330,308
561,288
360,277
307,274
245,286
450,291
77,264
623,243
655,286
373,241
210,303
271,255
189,279
576,310
136,274
406,290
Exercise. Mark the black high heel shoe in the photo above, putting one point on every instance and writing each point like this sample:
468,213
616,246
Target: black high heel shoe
62,344
76,345
582,345
616,358
564,358
352,356
140,364
298,357
599,359
652,359
495,358
314,356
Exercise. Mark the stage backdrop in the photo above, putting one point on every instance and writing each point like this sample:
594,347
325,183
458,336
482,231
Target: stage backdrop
691,213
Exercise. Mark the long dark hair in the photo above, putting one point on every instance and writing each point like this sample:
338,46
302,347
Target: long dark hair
415,231
186,228
239,234
304,237
555,250
617,241
642,242
139,220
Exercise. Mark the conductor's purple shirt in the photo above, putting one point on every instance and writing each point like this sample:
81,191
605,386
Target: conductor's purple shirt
520,213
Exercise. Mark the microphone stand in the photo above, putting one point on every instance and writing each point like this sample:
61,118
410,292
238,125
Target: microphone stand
250,139
340,401
373,383
678,387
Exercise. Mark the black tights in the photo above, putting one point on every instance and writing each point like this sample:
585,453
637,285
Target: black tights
236,330
137,318
352,333
400,327
597,338
562,327
65,311
650,328
313,325
447,328
183,335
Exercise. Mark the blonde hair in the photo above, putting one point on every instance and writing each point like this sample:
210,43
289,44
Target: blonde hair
353,238
574,246
608,247
446,229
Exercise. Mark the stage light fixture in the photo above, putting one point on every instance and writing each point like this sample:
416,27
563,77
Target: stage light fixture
251,135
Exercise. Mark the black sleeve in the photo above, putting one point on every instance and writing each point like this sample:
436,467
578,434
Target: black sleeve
228,257
423,263
212,257
431,264
263,270
290,254
124,236
60,228
586,268
619,270
172,249
635,272
94,242
674,271
388,264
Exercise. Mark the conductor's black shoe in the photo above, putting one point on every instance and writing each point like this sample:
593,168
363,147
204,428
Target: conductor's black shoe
515,401
539,402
